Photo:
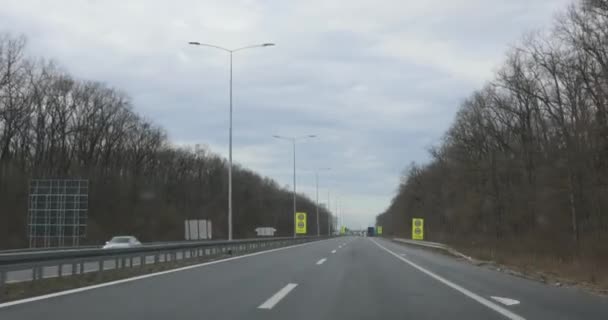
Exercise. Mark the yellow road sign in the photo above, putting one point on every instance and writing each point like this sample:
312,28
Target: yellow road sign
300,222
379,230
417,229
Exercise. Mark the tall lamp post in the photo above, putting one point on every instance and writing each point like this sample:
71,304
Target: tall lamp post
317,181
230,51
293,141
330,220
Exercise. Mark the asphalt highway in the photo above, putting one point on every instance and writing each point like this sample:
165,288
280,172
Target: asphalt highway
341,278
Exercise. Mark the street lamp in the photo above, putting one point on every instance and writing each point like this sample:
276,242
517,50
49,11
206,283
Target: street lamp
330,221
230,51
317,181
337,213
293,141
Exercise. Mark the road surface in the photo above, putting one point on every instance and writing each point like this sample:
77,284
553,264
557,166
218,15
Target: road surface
343,278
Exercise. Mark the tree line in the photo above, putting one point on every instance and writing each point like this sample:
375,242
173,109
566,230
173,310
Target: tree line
55,126
524,166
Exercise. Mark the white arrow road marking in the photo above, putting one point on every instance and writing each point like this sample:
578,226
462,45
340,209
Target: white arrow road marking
321,261
269,304
506,301
333,251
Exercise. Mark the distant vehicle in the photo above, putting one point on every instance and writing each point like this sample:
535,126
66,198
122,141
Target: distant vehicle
121,242
370,231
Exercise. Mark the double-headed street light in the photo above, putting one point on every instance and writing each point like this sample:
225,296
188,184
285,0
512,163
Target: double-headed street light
230,51
293,141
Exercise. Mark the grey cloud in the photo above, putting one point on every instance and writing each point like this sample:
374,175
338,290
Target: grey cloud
379,82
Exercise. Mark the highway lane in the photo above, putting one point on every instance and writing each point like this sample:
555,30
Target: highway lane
363,279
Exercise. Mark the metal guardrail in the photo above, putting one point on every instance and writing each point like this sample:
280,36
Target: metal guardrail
53,263
435,245
429,244
10,251
57,249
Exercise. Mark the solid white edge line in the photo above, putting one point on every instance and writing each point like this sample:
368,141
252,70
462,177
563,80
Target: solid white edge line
456,287
272,301
149,275
321,261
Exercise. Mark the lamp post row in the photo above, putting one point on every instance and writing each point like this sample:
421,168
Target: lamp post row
292,139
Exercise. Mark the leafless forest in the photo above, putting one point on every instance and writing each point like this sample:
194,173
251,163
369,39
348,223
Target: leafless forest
523,170
53,125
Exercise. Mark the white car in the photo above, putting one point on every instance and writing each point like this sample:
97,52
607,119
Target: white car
121,242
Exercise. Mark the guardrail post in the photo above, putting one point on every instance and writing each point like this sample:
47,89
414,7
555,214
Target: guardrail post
2,283
37,273
60,270
142,260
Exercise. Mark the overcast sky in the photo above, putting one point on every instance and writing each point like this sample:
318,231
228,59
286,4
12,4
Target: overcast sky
378,81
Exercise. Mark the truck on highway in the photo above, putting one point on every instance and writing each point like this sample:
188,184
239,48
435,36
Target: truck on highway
370,231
